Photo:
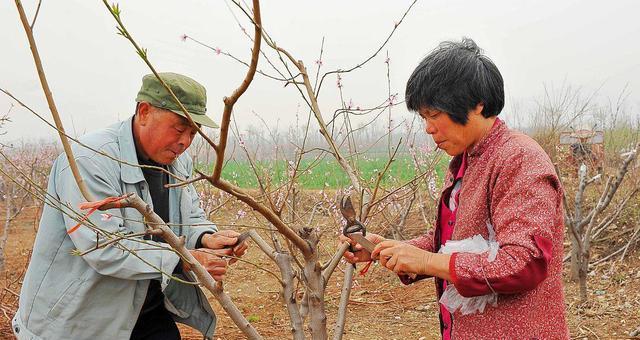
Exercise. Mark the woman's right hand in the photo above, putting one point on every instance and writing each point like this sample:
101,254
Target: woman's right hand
360,254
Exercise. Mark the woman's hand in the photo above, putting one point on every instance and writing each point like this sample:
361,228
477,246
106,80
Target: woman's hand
360,254
403,258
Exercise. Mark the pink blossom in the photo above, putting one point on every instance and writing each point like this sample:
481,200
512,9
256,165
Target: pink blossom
279,198
319,62
339,82
184,37
217,50
392,99
105,217
292,168
433,188
240,214
387,60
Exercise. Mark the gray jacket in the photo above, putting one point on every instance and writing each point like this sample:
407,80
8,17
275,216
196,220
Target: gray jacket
99,295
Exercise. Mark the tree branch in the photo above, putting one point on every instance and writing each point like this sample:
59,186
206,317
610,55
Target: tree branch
52,105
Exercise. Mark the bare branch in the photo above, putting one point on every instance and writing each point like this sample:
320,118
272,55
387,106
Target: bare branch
381,175
344,300
100,152
133,201
52,105
35,16
395,27
269,214
230,101
122,30
333,263
217,50
263,245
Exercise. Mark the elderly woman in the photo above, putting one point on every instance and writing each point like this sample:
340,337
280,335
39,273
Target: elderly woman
501,187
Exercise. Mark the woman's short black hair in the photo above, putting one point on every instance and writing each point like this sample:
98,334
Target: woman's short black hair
454,78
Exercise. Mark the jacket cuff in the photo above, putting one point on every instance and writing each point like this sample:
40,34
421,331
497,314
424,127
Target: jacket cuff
452,268
475,276
199,240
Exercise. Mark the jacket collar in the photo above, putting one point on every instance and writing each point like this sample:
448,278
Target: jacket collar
128,174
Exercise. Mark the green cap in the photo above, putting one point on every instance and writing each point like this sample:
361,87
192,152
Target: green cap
191,94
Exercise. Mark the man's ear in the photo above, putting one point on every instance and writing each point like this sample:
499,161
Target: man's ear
143,111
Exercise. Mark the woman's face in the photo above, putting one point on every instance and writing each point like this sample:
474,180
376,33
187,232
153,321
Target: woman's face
451,137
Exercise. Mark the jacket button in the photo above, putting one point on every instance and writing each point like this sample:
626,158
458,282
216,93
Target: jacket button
17,329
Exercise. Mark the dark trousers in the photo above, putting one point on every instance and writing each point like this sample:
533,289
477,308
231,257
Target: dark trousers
155,324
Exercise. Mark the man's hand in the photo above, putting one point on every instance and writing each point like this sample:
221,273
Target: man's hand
225,239
360,255
403,258
214,264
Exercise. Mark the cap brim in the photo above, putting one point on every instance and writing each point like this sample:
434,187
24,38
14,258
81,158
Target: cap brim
200,119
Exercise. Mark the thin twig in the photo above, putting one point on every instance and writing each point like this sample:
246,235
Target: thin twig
395,27
35,16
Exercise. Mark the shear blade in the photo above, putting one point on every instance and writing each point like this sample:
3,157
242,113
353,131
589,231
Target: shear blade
346,208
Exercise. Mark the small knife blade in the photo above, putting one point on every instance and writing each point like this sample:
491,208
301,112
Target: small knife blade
366,244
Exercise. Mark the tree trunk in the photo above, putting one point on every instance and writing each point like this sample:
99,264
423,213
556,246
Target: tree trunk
575,262
5,231
289,295
582,273
576,256
315,288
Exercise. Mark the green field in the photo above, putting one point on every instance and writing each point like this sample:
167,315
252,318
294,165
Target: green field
325,173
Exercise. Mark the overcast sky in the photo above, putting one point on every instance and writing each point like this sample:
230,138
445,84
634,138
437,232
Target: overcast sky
95,74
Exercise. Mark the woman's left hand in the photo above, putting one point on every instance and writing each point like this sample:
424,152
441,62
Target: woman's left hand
401,257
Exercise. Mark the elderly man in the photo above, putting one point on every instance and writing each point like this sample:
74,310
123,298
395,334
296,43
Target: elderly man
124,290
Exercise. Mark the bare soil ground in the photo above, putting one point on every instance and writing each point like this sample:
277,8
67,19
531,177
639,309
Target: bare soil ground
380,307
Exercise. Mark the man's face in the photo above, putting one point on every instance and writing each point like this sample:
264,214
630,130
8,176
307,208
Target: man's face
451,137
162,135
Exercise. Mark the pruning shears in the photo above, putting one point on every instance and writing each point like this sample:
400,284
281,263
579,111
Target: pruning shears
354,229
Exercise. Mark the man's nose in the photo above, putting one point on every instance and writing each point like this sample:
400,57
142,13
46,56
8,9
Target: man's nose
185,139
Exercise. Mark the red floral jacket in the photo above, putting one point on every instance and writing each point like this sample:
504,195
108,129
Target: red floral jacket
509,182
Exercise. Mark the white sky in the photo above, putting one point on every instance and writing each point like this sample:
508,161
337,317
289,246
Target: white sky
95,74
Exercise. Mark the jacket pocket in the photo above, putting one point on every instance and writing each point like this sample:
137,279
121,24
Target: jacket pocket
65,299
